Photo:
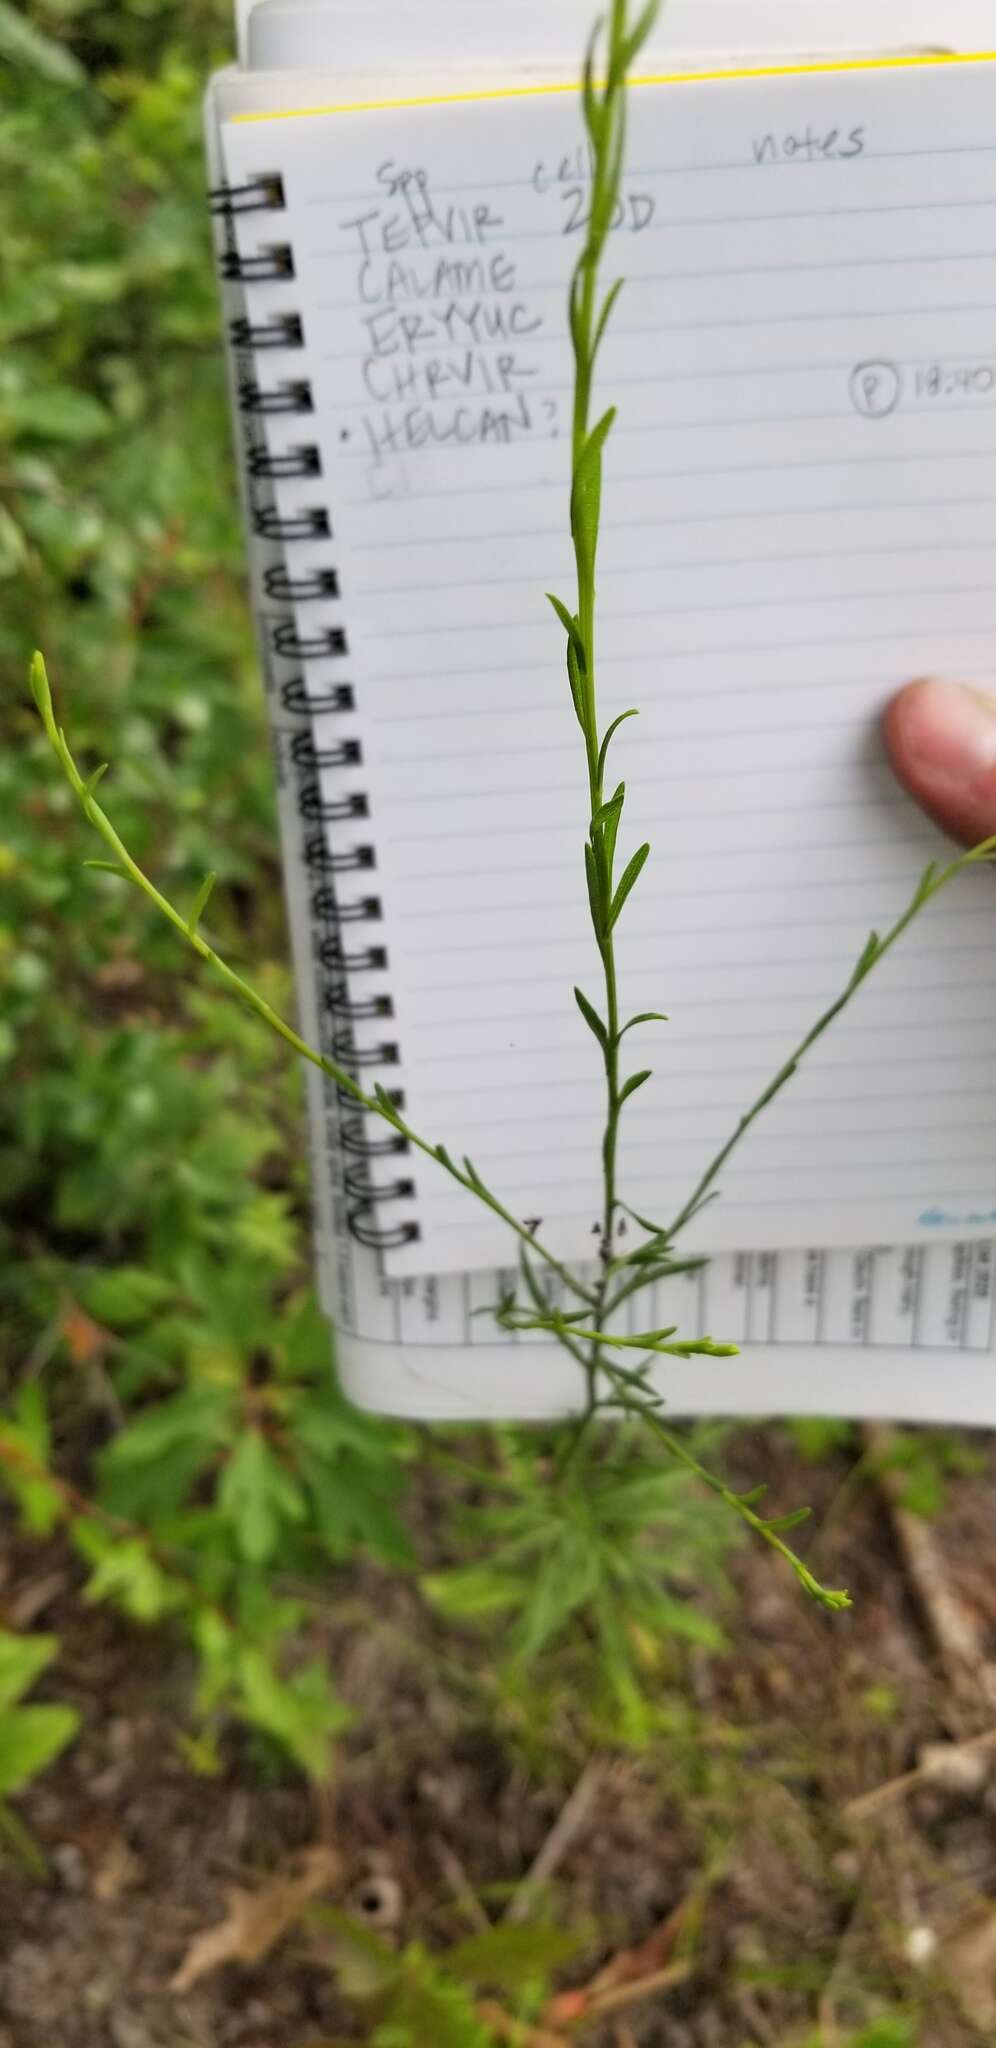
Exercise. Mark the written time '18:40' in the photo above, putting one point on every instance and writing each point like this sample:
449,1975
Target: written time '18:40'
955,380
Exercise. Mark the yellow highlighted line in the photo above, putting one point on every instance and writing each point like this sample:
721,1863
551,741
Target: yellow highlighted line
526,92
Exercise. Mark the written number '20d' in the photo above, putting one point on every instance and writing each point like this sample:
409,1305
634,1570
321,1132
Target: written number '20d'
634,211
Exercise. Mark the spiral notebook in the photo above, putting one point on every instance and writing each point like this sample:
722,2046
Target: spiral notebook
800,514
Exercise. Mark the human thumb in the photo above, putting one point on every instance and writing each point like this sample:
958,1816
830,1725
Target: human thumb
941,739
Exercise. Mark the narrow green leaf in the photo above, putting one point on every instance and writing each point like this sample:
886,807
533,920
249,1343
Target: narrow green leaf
628,883
605,812
576,678
642,28
586,495
645,1017
108,867
635,1081
780,1523
93,784
533,1288
567,619
609,737
926,884
867,960
592,1019
657,1231
607,820
605,316
41,689
750,1500
471,1592
201,901
589,96
594,881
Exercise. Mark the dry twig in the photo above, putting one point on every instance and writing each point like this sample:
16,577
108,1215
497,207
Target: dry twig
568,1825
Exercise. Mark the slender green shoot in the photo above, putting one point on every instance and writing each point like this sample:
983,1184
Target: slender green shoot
584,1332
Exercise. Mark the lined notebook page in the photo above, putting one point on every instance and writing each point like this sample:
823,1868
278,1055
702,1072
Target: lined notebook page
800,514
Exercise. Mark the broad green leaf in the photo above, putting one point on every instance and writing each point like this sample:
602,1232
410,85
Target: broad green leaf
60,413
299,1711
123,1296
128,1574
23,1471
258,1495
21,43
352,1507
364,1965
31,1738
510,1957
197,1417
22,1659
428,2007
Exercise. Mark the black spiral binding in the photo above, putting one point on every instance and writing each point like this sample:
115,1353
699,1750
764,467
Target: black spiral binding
370,1191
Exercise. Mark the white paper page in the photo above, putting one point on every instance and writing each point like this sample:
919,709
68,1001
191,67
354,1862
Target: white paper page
784,545
900,1331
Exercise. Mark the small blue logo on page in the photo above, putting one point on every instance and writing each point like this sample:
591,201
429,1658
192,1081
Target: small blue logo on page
943,1219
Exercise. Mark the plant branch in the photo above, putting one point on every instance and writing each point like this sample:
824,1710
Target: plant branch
743,1505
931,883
379,1104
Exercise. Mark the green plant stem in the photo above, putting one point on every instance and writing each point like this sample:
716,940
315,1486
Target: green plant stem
657,1342
630,1404
605,117
379,1104
930,885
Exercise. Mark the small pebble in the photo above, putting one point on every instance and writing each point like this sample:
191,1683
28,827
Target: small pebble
920,1946
962,1772
69,1866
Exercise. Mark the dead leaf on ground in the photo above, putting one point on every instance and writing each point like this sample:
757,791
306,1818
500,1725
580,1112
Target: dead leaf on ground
119,1870
647,1962
256,1921
87,1342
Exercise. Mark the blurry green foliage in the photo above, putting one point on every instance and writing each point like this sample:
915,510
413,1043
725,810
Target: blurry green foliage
29,1736
154,1262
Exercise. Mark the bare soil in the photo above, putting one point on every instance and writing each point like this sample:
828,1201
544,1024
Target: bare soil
812,1918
